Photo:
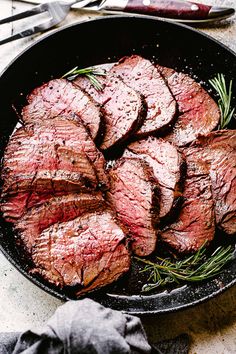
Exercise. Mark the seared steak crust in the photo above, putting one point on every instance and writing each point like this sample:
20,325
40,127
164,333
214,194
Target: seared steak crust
58,97
122,108
198,112
195,224
142,76
218,150
168,167
134,195
89,251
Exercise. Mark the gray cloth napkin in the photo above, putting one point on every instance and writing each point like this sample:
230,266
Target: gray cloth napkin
85,326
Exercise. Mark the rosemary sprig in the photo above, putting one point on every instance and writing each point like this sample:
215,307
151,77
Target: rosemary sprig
90,73
224,102
196,267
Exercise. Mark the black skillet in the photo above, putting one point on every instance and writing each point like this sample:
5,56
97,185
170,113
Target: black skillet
99,41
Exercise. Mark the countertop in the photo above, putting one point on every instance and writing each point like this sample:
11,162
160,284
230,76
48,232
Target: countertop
212,325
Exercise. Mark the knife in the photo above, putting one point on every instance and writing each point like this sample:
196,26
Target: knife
177,10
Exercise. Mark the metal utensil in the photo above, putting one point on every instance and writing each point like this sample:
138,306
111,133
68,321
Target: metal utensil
176,10
183,11
56,10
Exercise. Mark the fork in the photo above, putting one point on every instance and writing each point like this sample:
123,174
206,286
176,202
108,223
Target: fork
58,10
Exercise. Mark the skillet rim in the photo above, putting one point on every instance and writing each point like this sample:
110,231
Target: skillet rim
100,18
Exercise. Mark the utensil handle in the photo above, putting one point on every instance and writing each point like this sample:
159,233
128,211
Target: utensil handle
166,8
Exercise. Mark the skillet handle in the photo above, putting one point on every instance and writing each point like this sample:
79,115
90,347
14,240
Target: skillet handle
163,8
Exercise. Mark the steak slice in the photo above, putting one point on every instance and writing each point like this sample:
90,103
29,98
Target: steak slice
58,146
218,150
195,224
168,167
58,97
142,76
89,251
198,112
55,210
57,157
134,195
122,108
14,206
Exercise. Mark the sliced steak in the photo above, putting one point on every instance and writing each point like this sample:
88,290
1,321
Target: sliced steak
58,97
117,265
55,210
142,76
218,150
14,206
195,224
198,112
122,108
52,158
89,251
134,195
168,167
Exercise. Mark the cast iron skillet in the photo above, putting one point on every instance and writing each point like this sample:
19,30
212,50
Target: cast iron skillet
102,40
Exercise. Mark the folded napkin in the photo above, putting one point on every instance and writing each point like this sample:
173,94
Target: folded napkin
85,326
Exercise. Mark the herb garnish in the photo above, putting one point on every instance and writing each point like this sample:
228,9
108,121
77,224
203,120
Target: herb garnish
90,73
194,268
224,101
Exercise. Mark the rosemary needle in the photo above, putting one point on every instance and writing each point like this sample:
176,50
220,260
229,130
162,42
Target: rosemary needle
225,97
196,267
90,73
